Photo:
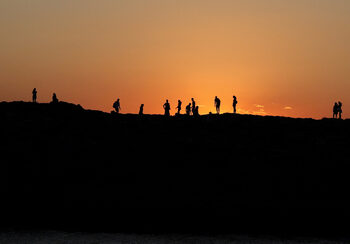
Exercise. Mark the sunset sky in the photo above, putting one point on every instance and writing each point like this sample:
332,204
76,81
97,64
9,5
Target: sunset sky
288,58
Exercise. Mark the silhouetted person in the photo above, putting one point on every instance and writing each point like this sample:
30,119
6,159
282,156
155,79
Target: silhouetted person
193,105
340,110
217,104
188,109
116,106
234,104
335,110
196,112
141,110
54,98
179,103
166,107
34,92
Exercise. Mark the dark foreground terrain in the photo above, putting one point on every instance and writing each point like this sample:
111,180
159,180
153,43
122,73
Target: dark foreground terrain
66,168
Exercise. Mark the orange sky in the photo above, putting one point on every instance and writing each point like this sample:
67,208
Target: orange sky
271,54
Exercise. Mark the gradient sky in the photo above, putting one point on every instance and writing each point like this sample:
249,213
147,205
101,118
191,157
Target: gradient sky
289,58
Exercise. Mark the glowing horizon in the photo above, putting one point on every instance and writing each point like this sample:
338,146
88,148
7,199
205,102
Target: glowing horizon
279,58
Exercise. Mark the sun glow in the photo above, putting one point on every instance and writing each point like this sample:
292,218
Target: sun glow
292,58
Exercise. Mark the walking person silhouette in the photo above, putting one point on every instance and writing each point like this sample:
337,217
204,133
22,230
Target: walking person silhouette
193,106
335,110
166,107
116,106
179,103
188,109
34,92
234,104
217,104
340,110
141,110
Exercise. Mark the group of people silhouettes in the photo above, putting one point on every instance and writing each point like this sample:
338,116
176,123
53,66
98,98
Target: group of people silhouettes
191,108
34,97
337,110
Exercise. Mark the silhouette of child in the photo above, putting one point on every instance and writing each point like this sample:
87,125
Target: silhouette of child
196,113
34,92
166,107
141,110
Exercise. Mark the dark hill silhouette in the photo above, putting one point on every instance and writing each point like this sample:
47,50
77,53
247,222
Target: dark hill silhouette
66,167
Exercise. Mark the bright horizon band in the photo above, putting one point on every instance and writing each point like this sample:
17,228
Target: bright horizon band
279,58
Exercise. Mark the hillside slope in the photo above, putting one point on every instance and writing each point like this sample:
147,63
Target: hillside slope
66,167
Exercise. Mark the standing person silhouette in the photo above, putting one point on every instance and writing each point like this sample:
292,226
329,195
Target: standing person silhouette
54,98
335,110
166,107
141,110
340,110
217,104
234,104
34,92
193,106
179,103
116,106
188,109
